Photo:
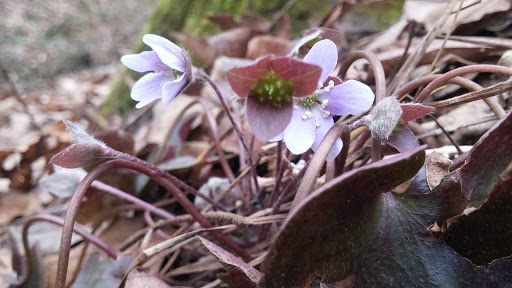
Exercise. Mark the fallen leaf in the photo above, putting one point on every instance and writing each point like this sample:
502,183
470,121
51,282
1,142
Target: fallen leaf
239,274
438,167
102,273
138,278
14,205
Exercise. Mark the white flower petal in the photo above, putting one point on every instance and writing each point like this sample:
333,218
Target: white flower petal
324,54
350,97
148,88
299,135
172,88
144,62
168,52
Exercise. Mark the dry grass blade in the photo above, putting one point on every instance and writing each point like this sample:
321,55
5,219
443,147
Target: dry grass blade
473,96
412,61
487,41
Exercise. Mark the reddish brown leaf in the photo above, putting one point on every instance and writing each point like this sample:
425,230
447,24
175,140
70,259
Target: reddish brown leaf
414,111
304,76
242,79
239,273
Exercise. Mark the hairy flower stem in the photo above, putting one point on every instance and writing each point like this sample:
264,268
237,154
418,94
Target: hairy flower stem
280,167
215,134
335,168
422,81
62,264
201,74
375,66
482,68
318,161
58,221
288,188
161,173
123,195
380,87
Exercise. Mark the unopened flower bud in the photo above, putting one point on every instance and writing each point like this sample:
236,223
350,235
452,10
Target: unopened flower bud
384,118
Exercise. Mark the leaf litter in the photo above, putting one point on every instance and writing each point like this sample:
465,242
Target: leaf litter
447,228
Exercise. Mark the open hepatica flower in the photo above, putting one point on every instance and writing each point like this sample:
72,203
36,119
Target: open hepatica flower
169,66
268,86
312,115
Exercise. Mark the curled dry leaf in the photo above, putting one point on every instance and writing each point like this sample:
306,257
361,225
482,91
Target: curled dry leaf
239,274
437,168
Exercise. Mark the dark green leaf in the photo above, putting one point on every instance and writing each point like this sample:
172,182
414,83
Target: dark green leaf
352,228
486,234
487,160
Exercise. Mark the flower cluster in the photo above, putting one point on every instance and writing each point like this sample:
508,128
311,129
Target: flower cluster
285,98
313,115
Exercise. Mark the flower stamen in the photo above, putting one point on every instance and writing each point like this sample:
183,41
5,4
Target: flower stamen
273,89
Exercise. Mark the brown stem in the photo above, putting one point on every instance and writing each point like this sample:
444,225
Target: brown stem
482,68
422,81
288,188
280,167
317,162
339,161
375,65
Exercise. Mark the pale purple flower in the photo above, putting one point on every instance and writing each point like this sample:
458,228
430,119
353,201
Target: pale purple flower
312,115
268,86
169,76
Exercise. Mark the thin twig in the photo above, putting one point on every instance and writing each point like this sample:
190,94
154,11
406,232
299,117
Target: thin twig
15,92
412,61
473,96
447,135
452,27
280,15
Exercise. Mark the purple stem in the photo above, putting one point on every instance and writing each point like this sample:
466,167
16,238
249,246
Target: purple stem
123,195
159,172
317,162
481,68
69,221
380,87
279,173
335,168
59,221
150,222
201,74
422,81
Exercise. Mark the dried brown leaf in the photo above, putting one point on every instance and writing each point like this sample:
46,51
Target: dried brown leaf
437,168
